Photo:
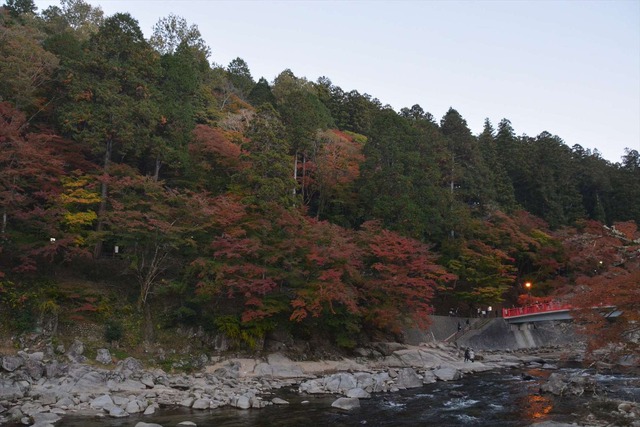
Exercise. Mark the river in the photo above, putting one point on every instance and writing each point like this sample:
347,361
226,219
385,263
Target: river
493,399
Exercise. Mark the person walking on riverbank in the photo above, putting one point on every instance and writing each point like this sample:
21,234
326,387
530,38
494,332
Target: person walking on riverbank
466,354
472,355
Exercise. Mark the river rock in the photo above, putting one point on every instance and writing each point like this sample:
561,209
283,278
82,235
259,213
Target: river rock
46,398
147,380
117,412
11,363
428,378
279,401
186,424
577,384
64,402
129,366
201,404
83,379
231,370
447,374
36,355
407,378
52,369
34,368
10,390
101,401
126,386
340,383
187,402
151,409
74,354
104,356
314,386
15,413
134,407
142,424
381,382
388,348
241,402
358,393
346,403
45,417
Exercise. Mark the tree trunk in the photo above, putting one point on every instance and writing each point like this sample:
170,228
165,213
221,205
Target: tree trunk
295,173
102,209
304,173
148,332
3,229
156,173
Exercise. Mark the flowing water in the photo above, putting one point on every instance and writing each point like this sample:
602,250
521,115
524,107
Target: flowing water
487,399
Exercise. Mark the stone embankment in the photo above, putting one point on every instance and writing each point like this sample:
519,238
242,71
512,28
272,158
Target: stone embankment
38,389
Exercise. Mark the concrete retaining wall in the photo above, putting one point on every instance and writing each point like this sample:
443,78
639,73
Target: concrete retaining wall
496,334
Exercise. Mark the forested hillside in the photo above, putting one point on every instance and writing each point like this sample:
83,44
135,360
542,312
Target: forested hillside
188,193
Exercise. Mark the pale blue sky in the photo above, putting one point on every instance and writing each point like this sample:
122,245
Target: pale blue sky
571,68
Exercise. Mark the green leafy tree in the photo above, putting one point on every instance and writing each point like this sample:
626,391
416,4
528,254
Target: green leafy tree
20,7
26,67
268,177
398,184
625,180
240,76
500,188
110,105
261,94
172,31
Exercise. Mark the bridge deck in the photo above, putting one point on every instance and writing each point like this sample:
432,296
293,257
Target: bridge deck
548,312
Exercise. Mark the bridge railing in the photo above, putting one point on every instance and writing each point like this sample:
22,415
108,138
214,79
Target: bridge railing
534,309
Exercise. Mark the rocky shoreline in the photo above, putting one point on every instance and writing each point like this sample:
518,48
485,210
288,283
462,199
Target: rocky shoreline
39,390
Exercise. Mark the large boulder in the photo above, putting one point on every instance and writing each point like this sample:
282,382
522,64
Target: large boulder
101,401
447,374
358,393
201,404
45,417
10,390
407,378
83,379
34,368
340,383
129,366
104,356
241,402
429,378
11,363
74,354
388,348
562,384
135,406
346,403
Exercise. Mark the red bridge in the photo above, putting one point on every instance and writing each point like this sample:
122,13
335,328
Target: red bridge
535,309
548,311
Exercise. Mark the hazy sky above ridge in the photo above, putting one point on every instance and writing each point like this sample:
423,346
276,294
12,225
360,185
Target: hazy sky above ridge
571,68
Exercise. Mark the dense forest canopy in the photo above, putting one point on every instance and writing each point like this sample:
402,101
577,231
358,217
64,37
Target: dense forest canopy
244,206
